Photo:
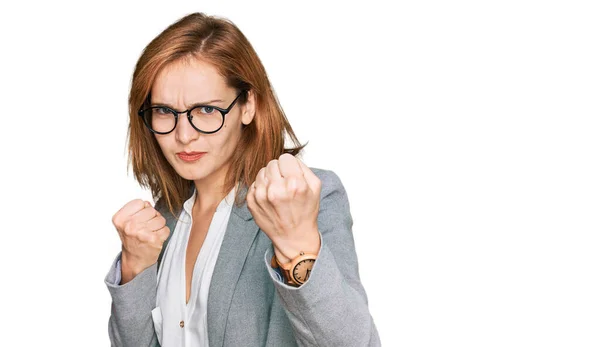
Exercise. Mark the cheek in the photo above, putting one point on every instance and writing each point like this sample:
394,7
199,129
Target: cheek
163,144
219,144
229,139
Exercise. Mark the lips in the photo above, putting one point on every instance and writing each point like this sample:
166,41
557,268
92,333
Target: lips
190,153
190,156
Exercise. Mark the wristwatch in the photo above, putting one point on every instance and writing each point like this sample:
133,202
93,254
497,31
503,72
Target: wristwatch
297,271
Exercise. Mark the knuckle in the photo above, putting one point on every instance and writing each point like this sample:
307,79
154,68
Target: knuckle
260,195
142,236
272,195
130,227
116,220
291,184
164,235
301,187
127,227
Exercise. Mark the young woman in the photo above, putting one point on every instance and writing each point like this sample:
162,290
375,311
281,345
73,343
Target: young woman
245,245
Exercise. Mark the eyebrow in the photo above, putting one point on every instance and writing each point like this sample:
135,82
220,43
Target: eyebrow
189,106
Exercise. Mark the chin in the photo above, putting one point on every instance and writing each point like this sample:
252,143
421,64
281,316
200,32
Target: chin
192,174
189,172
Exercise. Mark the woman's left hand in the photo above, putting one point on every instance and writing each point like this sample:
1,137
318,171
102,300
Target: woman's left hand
284,201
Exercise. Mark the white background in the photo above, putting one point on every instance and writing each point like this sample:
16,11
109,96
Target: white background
466,134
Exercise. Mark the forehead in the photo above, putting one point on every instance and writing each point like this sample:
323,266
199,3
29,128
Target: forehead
188,80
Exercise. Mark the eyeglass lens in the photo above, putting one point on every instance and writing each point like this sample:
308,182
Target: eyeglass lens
162,120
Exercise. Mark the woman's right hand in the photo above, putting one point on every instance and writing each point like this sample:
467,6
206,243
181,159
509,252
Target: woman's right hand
143,230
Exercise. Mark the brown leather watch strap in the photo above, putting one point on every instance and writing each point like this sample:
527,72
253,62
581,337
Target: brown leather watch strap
286,275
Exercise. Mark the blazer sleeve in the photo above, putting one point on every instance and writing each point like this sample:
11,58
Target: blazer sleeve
331,308
130,322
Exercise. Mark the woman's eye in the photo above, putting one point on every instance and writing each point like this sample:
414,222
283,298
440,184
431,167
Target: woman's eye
207,109
161,110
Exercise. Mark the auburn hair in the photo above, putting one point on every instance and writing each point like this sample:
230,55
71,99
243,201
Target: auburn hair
218,41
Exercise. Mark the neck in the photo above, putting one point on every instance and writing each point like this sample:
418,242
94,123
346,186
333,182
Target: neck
209,192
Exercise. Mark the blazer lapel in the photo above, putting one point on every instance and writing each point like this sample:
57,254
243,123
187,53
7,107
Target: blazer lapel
239,236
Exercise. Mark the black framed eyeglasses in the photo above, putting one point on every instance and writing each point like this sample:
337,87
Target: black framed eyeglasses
204,118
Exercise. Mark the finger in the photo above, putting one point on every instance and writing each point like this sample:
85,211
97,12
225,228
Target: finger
260,191
145,214
156,223
279,196
261,178
163,233
289,166
250,196
132,207
272,171
313,181
296,186
253,204
148,237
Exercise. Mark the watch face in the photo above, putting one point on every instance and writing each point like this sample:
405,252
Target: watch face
302,270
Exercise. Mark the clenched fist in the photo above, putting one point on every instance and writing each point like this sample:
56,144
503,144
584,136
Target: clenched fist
142,230
284,201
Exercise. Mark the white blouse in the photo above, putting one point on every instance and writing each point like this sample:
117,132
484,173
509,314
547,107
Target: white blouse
175,322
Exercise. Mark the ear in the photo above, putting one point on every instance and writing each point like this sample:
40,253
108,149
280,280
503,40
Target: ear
248,110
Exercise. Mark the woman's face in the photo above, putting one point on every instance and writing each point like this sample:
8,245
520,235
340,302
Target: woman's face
190,81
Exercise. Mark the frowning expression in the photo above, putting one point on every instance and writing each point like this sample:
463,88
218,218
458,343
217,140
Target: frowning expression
180,86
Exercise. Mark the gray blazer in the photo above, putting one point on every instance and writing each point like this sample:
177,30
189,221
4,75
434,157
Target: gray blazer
247,304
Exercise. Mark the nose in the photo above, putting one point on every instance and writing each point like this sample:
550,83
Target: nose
184,132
